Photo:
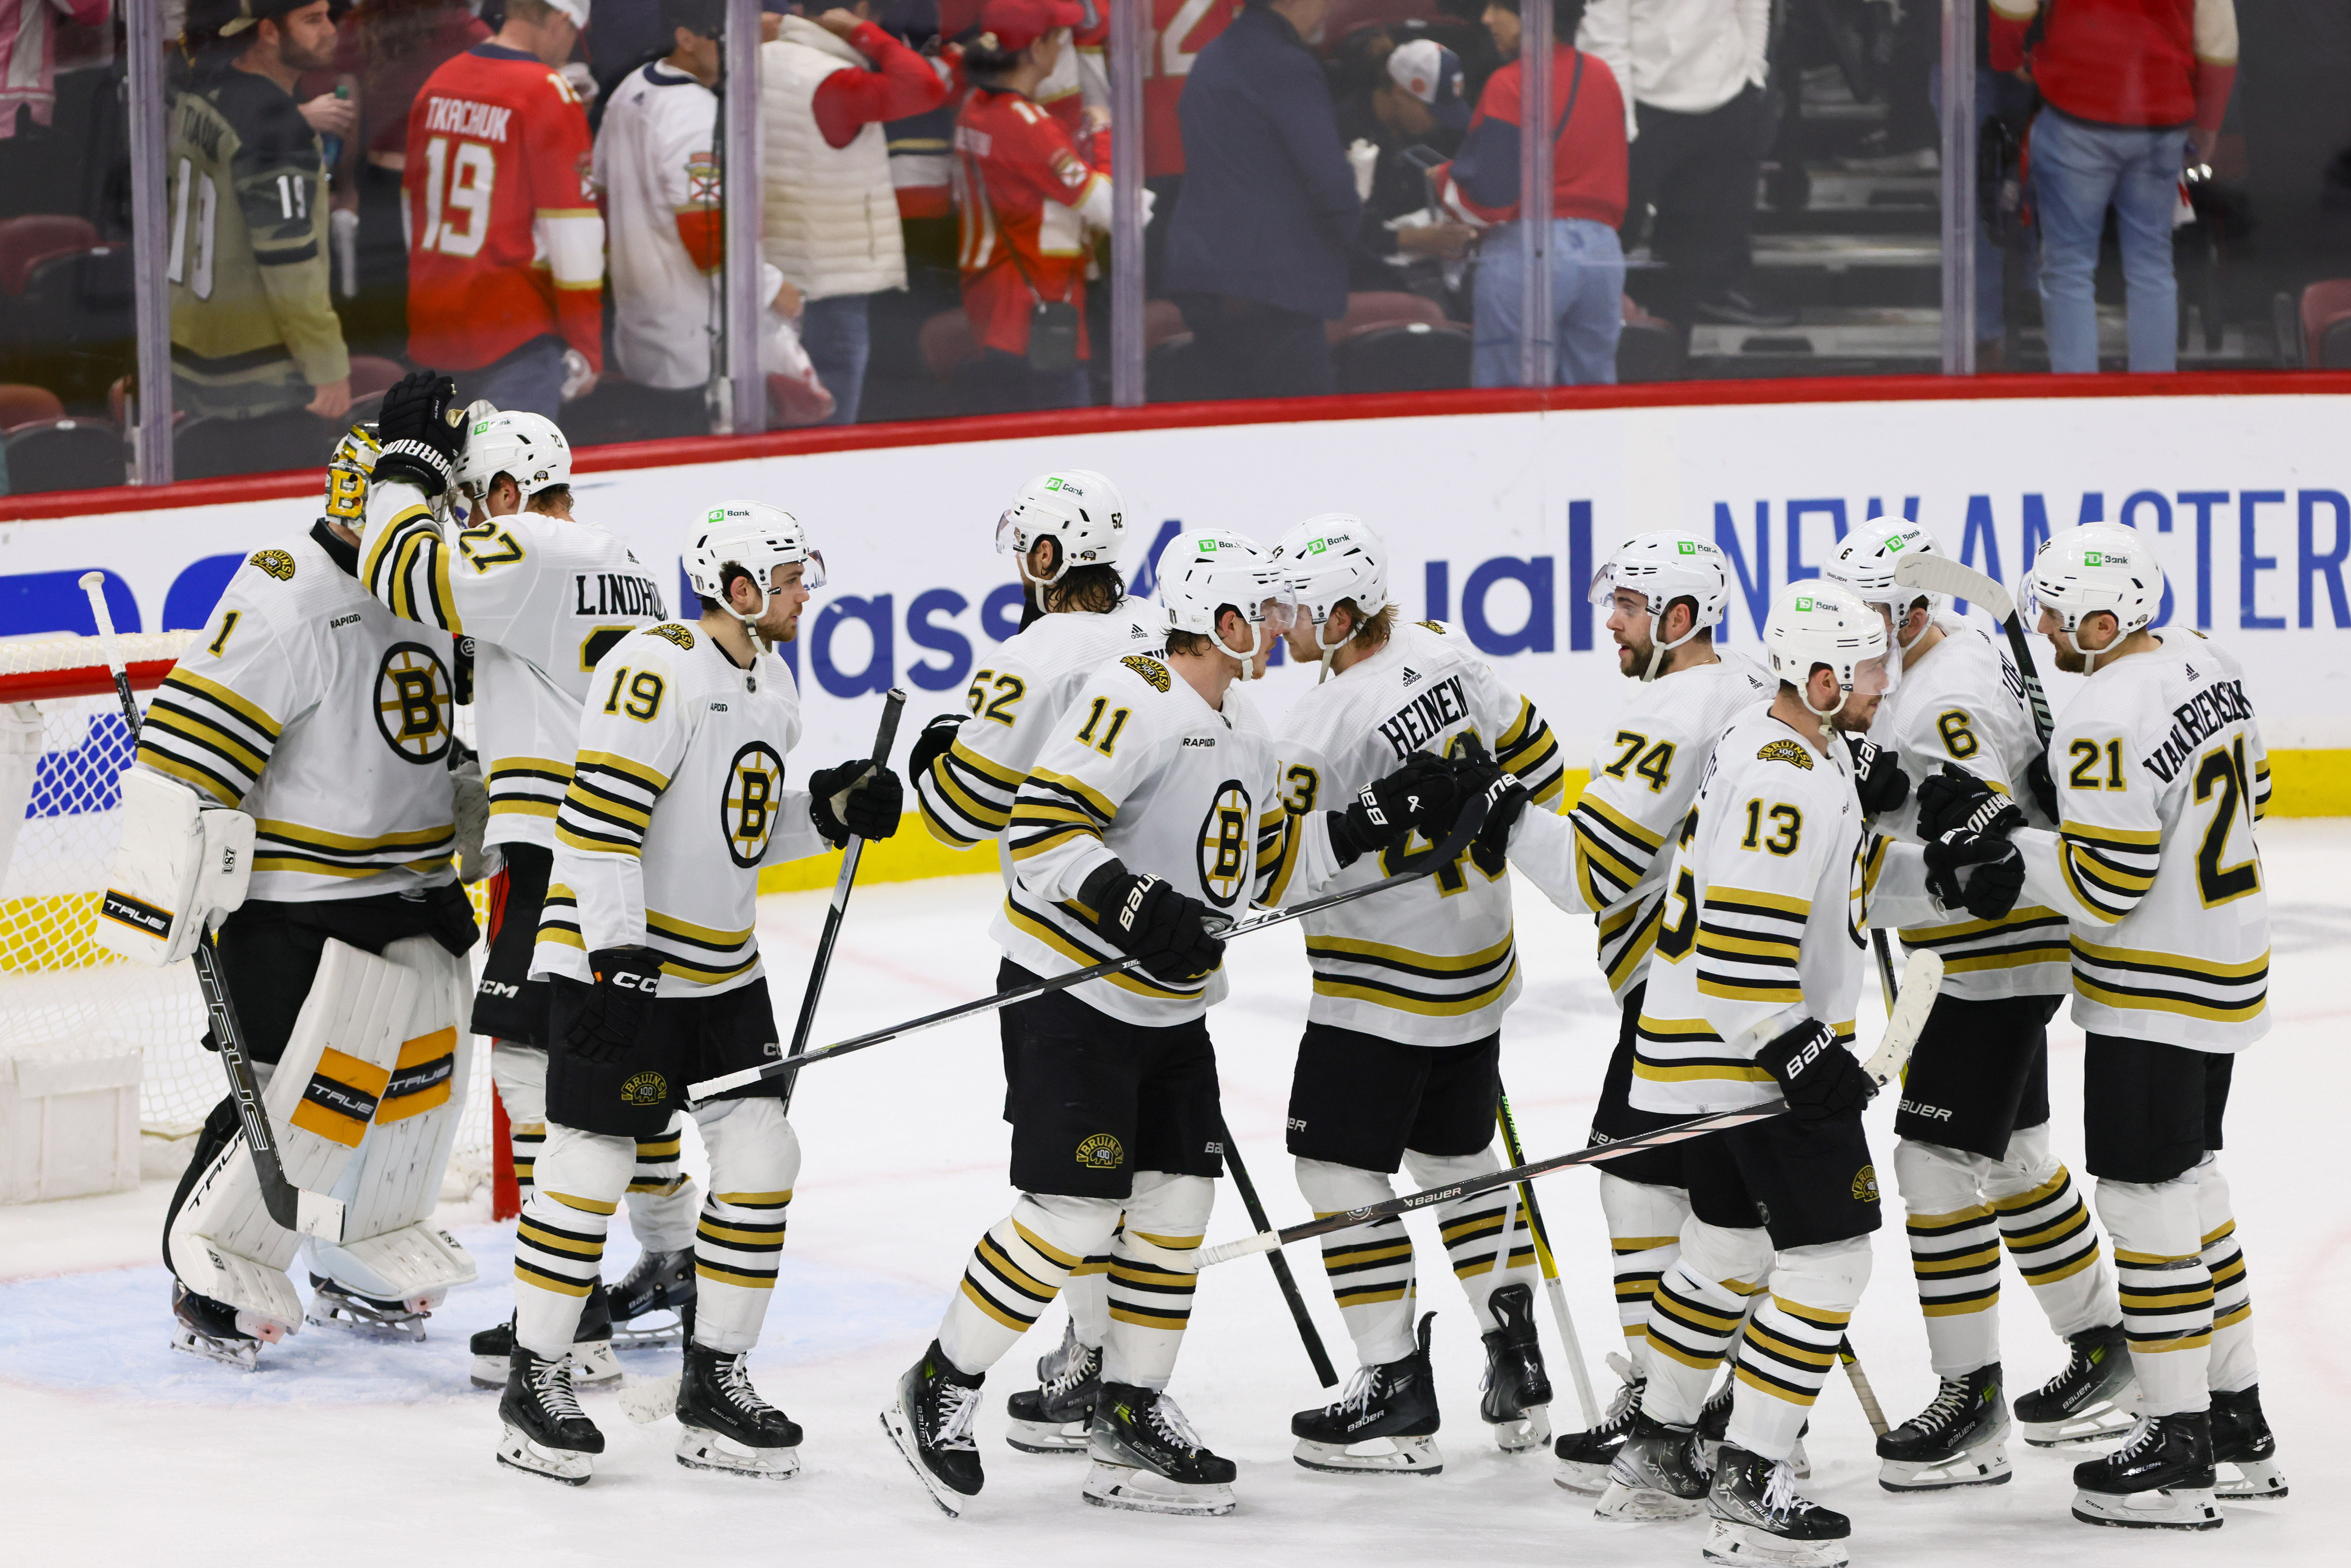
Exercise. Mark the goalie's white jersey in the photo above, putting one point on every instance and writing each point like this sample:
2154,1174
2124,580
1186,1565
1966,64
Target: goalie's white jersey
2160,776
541,599
1609,853
1433,962
1760,927
311,707
677,799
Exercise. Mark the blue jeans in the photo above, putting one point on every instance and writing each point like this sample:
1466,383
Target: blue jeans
2078,170
527,380
1587,301
835,334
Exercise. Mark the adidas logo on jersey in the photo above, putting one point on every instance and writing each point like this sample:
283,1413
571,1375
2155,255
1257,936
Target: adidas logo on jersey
1410,674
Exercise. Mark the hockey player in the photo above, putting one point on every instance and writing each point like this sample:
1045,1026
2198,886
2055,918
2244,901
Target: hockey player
1064,530
1973,1158
1665,594
1757,961
648,941
1154,809
308,707
537,596
1400,1065
2160,776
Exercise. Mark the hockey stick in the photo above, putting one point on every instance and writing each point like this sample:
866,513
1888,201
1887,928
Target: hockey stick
289,1206
1861,1389
1920,982
1552,1286
893,705
1941,574
1465,828
1298,1314
1884,947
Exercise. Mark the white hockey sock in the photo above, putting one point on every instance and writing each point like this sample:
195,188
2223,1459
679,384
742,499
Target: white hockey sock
1645,1237
518,1072
662,1200
1150,1306
1370,1267
2166,1289
1790,1344
560,1246
2047,1227
755,1158
1700,1304
1017,1270
1086,1297
1954,1253
1473,1229
2234,1366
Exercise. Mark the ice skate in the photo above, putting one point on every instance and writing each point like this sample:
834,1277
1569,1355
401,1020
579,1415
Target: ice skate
2160,1478
1714,1421
2090,1400
1053,1417
930,1422
1755,1515
547,1433
2244,1454
1584,1457
218,1332
660,1287
1959,1440
332,1306
1655,1474
729,1427
1517,1391
1390,1409
1147,1457
592,1361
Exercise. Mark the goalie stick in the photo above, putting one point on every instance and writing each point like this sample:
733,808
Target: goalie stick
1941,574
289,1206
1465,828
1920,982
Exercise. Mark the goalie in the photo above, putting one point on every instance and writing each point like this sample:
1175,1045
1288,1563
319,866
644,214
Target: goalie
309,723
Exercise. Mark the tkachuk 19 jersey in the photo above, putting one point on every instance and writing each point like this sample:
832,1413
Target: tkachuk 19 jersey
542,599
677,799
1761,924
311,707
2160,776
1963,704
1609,853
1433,962
1017,704
1140,769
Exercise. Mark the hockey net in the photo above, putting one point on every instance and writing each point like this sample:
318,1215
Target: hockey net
63,748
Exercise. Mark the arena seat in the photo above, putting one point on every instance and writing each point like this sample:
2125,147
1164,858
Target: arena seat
64,455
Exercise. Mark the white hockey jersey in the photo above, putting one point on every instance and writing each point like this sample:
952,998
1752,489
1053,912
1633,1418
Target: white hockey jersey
1140,771
2160,776
1610,852
677,799
541,599
1433,962
1761,923
310,706
1964,703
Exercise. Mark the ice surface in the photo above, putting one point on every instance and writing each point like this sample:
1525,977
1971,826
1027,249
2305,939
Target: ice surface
347,1451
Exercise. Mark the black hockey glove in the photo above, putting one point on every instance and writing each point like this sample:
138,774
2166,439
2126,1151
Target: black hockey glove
1947,797
421,443
1878,777
1478,773
1991,887
855,797
937,736
627,980
2043,788
1817,1077
1145,916
1419,794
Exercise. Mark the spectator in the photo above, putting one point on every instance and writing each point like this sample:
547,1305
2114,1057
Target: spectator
1587,205
830,222
28,54
505,258
2122,81
1027,198
253,330
1693,73
1411,115
1257,250
1180,29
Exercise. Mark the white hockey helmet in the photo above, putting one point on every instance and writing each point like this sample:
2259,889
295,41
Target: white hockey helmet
1661,568
527,447
348,471
1076,506
1330,557
1864,560
1207,570
754,536
1825,622
2094,567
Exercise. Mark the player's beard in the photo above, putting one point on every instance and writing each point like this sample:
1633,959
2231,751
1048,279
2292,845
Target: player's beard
294,57
2066,656
1631,669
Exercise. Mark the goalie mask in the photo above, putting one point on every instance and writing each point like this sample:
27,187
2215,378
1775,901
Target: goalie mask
1207,572
1329,557
1661,568
2098,566
1824,623
757,538
348,470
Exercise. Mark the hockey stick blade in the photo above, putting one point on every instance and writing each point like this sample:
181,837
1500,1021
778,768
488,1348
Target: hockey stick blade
1922,981
1941,574
1427,861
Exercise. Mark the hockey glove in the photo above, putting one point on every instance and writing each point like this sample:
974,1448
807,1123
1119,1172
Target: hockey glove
627,980
1417,795
1947,797
856,798
2043,788
1878,777
1145,916
421,435
1991,887
1479,774
938,738
1817,1077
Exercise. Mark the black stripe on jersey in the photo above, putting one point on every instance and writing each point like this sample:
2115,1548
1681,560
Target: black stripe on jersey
1528,749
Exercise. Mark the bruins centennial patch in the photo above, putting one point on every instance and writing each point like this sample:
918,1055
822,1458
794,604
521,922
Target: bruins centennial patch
1864,1185
670,631
276,562
1435,626
1150,669
1792,751
1102,1152
645,1089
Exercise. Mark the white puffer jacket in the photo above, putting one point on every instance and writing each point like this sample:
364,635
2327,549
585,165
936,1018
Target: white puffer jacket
830,218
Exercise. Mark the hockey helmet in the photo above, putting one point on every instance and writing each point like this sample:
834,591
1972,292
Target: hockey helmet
1661,568
1330,557
348,469
1864,560
527,448
2094,567
1207,571
1824,623
1076,506
755,537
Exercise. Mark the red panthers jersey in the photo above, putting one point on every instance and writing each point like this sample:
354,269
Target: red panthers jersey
1180,29
1020,180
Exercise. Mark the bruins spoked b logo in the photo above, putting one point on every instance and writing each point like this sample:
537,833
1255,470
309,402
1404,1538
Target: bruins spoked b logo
412,702
754,781
1226,857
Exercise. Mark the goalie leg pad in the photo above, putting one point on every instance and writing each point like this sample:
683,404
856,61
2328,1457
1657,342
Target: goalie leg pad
755,1158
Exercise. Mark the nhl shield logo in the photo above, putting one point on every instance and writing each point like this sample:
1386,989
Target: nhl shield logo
1102,1152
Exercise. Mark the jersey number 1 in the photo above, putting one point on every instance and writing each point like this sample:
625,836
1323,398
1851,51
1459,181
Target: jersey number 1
457,197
